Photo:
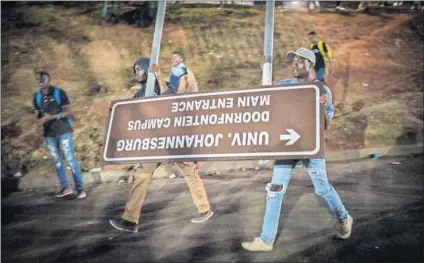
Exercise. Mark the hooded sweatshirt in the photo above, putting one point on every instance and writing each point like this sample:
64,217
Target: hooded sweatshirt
144,64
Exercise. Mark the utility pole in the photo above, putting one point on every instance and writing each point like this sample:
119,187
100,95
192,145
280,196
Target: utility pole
268,43
104,9
268,47
154,57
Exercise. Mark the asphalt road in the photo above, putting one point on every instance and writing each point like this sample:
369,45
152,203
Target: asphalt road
385,200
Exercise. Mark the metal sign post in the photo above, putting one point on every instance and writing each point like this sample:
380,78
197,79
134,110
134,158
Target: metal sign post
104,9
268,43
268,47
154,58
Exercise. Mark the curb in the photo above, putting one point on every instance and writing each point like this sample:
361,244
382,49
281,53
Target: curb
393,151
211,168
331,157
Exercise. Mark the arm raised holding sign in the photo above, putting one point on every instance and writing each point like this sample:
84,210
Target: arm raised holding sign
161,82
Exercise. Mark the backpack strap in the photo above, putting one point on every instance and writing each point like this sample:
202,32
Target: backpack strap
324,55
56,94
38,96
176,74
69,121
321,50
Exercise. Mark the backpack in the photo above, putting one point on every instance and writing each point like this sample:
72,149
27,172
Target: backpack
175,78
56,95
320,45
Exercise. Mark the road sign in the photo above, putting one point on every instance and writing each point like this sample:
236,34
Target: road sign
273,122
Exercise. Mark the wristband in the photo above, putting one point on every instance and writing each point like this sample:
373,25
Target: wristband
58,116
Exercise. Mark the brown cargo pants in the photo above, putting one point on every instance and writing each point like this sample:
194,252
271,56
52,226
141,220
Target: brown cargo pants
141,181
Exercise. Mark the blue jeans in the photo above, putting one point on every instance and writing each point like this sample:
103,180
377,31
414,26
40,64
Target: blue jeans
281,176
320,74
59,147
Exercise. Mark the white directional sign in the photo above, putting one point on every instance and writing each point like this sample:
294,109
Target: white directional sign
292,136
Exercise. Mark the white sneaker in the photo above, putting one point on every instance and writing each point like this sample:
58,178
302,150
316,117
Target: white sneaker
81,195
344,229
257,245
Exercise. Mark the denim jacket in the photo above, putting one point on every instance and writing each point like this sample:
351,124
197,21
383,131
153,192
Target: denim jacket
329,108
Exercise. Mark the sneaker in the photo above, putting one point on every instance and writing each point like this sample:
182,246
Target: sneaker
64,192
344,229
299,164
81,194
257,245
124,225
202,217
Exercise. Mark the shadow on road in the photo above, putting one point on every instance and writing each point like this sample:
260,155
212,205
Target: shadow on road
377,238
8,186
387,209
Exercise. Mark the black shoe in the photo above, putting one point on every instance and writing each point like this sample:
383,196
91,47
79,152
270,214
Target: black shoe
64,192
124,225
202,217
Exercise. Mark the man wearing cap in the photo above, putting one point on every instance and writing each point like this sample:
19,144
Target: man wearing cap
302,62
130,218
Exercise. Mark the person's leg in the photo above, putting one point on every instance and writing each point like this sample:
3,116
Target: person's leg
131,215
67,146
339,5
317,171
275,192
197,190
317,4
320,74
53,145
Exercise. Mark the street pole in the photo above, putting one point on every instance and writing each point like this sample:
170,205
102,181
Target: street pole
268,43
268,46
113,8
104,9
154,58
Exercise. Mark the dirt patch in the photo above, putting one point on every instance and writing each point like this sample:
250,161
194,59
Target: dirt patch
104,60
377,72
176,34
